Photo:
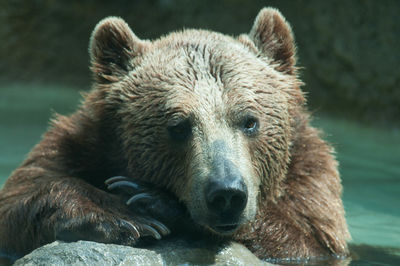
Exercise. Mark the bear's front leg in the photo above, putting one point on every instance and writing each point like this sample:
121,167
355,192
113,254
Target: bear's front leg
103,218
40,210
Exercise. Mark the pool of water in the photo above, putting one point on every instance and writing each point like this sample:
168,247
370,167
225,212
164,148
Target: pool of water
370,168
369,164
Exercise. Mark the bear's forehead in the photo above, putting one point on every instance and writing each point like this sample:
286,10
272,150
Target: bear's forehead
205,50
207,72
198,59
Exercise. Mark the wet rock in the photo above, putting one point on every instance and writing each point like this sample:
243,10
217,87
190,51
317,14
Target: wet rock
166,253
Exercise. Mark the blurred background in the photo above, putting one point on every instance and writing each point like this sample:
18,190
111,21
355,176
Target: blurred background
349,51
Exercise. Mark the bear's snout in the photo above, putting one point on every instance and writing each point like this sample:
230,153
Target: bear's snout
226,198
225,192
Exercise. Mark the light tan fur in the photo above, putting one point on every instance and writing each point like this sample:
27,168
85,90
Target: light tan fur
294,206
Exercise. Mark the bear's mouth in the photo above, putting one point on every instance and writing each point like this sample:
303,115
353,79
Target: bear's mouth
225,228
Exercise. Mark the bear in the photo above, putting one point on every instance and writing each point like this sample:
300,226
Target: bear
196,132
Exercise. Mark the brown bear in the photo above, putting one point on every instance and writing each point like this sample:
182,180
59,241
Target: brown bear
195,128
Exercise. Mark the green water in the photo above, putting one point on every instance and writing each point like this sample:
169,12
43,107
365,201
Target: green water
370,168
369,164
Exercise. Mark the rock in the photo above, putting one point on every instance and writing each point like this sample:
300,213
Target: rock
166,253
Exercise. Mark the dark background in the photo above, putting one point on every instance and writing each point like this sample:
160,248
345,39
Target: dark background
349,50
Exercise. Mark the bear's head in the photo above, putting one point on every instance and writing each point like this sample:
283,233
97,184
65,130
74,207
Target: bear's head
206,116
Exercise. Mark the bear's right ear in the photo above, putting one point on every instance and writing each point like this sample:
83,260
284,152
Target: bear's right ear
112,48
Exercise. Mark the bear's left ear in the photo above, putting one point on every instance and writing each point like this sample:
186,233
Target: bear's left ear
113,47
273,37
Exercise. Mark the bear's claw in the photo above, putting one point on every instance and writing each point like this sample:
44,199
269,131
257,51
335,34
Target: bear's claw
160,226
153,228
115,179
138,197
123,183
150,231
130,227
154,208
146,226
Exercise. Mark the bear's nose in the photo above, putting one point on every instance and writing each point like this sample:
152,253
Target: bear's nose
226,199
225,192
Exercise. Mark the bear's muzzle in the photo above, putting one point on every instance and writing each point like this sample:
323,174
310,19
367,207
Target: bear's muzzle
225,192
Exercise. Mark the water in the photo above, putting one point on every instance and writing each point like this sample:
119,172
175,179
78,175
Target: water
370,168
369,165
24,116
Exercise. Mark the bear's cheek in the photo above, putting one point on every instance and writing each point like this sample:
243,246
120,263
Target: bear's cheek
194,199
250,211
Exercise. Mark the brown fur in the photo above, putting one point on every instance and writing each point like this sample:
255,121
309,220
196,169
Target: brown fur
294,207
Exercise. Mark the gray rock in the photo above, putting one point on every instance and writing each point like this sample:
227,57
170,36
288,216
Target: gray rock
166,253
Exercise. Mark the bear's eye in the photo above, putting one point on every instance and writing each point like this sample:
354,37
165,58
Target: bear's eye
180,130
250,125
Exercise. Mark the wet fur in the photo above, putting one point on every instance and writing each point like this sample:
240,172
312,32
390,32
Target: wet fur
294,207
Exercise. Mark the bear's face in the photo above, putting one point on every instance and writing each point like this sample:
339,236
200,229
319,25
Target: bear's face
202,114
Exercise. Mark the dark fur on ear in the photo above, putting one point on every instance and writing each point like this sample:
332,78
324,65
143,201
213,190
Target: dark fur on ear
273,37
112,48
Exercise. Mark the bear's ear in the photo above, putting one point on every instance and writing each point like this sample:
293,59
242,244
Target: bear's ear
112,48
273,37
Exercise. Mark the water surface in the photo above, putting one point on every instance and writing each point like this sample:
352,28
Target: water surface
369,164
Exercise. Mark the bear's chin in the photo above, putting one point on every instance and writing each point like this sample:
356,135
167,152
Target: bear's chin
222,225
224,229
